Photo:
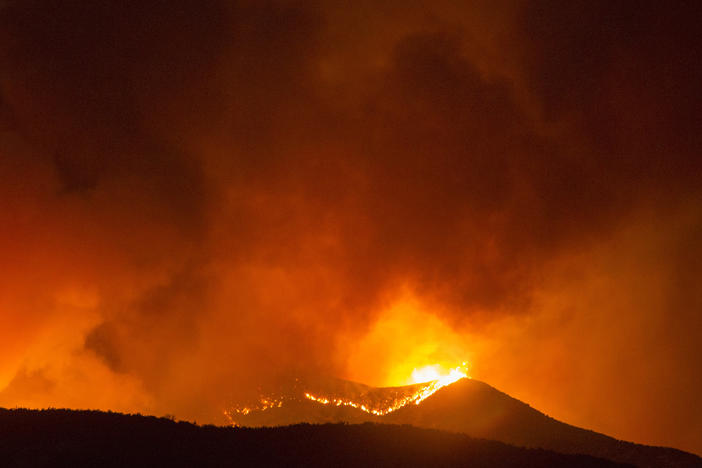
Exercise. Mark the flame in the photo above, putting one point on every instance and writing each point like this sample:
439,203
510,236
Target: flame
437,382
343,402
426,374
385,357
263,405
434,372
429,379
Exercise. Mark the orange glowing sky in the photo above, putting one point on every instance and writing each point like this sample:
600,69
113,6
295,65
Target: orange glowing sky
196,199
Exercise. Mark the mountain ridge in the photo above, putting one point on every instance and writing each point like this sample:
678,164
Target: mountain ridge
479,410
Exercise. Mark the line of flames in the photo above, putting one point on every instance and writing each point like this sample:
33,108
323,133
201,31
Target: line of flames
265,404
420,395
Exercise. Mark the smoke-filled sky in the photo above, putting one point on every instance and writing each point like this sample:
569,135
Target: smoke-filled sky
199,197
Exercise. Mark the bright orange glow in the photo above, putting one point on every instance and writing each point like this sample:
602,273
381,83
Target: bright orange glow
386,357
426,374
417,397
299,189
435,372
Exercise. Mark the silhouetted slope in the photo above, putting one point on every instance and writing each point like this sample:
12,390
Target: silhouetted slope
479,410
470,407
62,438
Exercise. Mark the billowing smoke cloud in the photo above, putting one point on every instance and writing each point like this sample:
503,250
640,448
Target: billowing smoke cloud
198,197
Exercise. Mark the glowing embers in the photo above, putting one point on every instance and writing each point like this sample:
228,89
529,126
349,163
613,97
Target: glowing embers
342,402
263,405
292,404
422,393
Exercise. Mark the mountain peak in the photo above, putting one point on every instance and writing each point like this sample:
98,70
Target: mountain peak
465,406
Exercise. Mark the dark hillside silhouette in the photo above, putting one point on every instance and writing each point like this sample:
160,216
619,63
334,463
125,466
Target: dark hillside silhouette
64,438
478,410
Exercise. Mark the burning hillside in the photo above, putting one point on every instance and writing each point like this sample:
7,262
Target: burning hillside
307,395
463,405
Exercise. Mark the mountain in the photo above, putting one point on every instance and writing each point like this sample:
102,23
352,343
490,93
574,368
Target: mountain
477,409
64,438
467,406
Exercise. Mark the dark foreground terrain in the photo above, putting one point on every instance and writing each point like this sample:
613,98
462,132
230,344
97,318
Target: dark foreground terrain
63,438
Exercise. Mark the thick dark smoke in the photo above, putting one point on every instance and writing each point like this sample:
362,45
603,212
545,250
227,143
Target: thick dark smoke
197,197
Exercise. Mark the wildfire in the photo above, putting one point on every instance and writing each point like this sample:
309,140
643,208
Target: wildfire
435,382
263,405
428,380
342,402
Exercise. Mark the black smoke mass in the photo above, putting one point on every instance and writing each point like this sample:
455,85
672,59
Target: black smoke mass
198,197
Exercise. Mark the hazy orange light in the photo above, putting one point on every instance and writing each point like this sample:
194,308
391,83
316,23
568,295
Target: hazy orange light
426,374
408,344
437,372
